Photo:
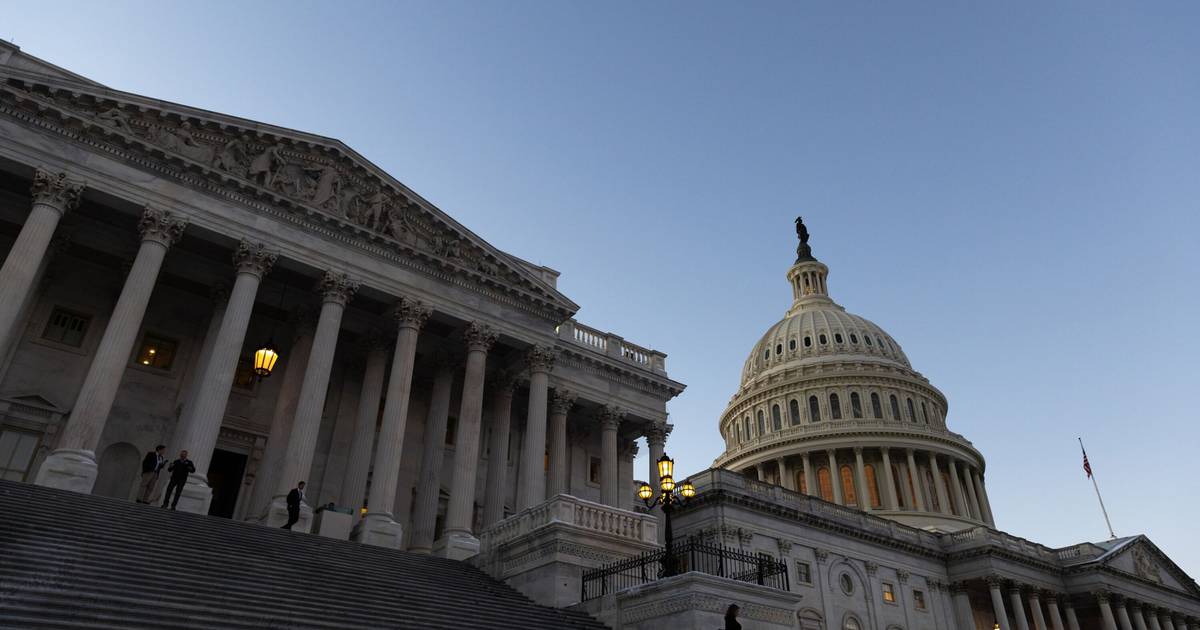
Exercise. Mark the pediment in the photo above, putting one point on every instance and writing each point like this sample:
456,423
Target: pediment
36,401
1144,559
318,177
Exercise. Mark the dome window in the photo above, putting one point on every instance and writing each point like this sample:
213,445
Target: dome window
867,339
762,423
853,338
807,342
778,348
855,405
767,355
747,431
823,339
876,408
776,418
835,407
794,410
837,337
924,413
814,409
912,415
792,345
895,408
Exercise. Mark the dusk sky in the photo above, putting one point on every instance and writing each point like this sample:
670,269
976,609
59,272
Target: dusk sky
1012,191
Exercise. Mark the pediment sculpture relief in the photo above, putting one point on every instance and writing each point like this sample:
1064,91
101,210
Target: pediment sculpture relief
1144,565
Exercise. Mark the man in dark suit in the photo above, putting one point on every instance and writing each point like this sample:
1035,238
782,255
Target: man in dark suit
179,469
294,498
151,464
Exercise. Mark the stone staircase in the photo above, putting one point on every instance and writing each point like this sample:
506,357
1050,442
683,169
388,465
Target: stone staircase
69,560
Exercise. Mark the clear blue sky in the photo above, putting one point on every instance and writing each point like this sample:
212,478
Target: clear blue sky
1011,191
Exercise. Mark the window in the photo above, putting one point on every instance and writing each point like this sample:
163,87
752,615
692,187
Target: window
747,422
737,431
895,407
808,342
801,482
848,494
776,418
867,338
919,599
66,327
837,337
924,416
835,407
791,344
851,623
794,411
16,453
912,415
766,355
803,572
876,408
594,470
157,352
451,430
855,405
244,377
826,483
872,485
814,409
823,339
762,423
778,348
847,584
853,338
889,593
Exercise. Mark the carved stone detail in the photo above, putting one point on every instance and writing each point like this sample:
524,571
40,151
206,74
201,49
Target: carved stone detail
254,258
903,576
503,382
745,536
410,313
822,555
219,293
561,401
785,546
56,190
610,417
541,358
479,337
1144,565
161,226
657,433
337,288
872,567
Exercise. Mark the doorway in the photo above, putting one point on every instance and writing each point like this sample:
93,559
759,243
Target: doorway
225,479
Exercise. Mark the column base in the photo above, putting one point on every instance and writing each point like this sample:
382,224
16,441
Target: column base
378,528
456,546
68,469
277,515
196,496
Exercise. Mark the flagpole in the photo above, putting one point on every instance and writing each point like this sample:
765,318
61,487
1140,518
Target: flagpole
1092,475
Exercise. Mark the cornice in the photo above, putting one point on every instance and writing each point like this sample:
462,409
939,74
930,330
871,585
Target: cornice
571,356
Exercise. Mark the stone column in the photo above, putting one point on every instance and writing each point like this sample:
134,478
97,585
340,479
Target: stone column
785,474
220,297
835,478
42,279
1152,616
358,466
889,480
1056,622
1014,597
656,439
1069,609
939,487
972,496
1122,614
1106,613
53,196
532,489
984,501
429,483
962,607
864,493
198,432
497,474
959,499
994,583
610,421
378,527
294,366
1035,609
1164,619
915,475
458,543
72,466
560,406
337,289
811,484
1134,610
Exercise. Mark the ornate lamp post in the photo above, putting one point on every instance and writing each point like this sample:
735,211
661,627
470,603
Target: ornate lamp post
670,497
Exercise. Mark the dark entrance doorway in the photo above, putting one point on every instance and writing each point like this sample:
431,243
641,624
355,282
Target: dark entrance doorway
225,479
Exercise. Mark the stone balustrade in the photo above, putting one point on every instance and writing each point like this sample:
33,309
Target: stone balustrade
611,345
575,512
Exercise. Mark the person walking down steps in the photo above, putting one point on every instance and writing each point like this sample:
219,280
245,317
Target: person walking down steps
294,498
179,469
151,465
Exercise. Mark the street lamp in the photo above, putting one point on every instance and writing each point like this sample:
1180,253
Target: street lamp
671,496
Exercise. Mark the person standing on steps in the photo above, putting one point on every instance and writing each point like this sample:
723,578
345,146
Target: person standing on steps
151,465
731,622
293,505
179,469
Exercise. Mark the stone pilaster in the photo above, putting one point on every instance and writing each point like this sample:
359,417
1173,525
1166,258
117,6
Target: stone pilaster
610,421
72,466
433,449
532,487
497,474
560,405
378,526
354,484
54,194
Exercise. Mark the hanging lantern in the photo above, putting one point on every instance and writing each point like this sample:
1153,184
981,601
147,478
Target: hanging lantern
264,360
666,466
645,492
687,490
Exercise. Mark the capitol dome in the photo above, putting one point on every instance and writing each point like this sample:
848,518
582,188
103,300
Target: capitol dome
829,405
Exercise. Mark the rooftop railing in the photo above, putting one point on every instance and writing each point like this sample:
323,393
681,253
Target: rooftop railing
612,345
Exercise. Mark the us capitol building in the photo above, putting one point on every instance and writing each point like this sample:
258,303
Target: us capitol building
283,309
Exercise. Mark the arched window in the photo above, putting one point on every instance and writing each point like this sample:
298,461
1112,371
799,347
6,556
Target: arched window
853,338
924,415
778,348
814,409
872,486
912,415
867,338
876,408
851,623
776,418
837,337
737,431
835,407
823,339
807,342
762,424
766,355
848,486
895,408
801,482
826,483
899,489
855,405
747,421
791,344
794,411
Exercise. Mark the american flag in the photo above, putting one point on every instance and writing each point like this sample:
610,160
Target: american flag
1087,468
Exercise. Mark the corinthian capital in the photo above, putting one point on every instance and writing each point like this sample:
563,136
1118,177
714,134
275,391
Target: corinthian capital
410,313
657,433
541,359
562,401
55,190
161,226
337,288
254,258
610,417
479,337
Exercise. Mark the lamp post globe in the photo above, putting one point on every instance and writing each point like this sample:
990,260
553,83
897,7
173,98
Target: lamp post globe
670,496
